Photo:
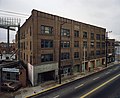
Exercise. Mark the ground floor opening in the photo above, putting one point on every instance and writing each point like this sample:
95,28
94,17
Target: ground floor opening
46,76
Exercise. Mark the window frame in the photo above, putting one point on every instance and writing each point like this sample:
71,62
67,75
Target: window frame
46,29
45,58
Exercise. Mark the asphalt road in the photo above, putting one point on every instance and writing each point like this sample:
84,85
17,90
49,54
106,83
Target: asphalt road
104,84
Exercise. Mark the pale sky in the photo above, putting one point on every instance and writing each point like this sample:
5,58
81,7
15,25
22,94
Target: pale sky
103,13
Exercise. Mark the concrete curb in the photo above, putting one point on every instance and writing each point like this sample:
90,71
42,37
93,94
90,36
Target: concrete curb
58,85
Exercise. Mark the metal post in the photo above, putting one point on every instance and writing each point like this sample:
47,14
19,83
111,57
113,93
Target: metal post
106,50
8,40
19,42
59,65
84,60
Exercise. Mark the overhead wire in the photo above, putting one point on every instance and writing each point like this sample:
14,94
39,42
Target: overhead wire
11,12
12,15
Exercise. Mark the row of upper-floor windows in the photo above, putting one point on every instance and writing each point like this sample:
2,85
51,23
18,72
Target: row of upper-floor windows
66,55
66,44
66,32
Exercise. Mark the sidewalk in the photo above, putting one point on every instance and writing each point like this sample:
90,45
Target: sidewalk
24,92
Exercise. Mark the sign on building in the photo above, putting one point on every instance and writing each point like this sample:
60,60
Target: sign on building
10,69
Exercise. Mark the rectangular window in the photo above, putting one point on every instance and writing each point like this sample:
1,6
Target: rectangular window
76,33
76,43
46,29
76,54
97,36
103,37
65,56
85,44
92,36
46,43
65,44
98,52
65,32
98,44
92,45
103,45
46,57
85,35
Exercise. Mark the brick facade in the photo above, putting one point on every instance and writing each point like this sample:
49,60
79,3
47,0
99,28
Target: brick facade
40,36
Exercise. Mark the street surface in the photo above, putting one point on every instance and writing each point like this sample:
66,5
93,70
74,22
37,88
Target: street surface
104,84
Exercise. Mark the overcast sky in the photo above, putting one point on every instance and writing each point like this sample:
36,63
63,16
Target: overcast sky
103,13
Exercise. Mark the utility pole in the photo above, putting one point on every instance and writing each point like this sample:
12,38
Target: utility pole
8,40
59,65
84,60
19,42
106,50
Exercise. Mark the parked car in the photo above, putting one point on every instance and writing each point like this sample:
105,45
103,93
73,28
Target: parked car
10,86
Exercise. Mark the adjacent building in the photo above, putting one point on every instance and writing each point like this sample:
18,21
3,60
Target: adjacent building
6,52
110,50
12,71
117,51
82,46
4,48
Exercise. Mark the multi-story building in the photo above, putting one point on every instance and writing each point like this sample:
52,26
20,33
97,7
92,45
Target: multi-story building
82,46
117,51
110,50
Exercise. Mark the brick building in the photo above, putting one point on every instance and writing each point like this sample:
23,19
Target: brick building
81,44
110,50
4,48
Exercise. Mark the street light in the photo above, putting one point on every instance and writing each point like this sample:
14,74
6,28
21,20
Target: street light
106,37
59,65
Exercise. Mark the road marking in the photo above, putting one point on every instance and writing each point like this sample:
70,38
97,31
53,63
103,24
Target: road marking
56,96
107,73
79,86
85,95
96,78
